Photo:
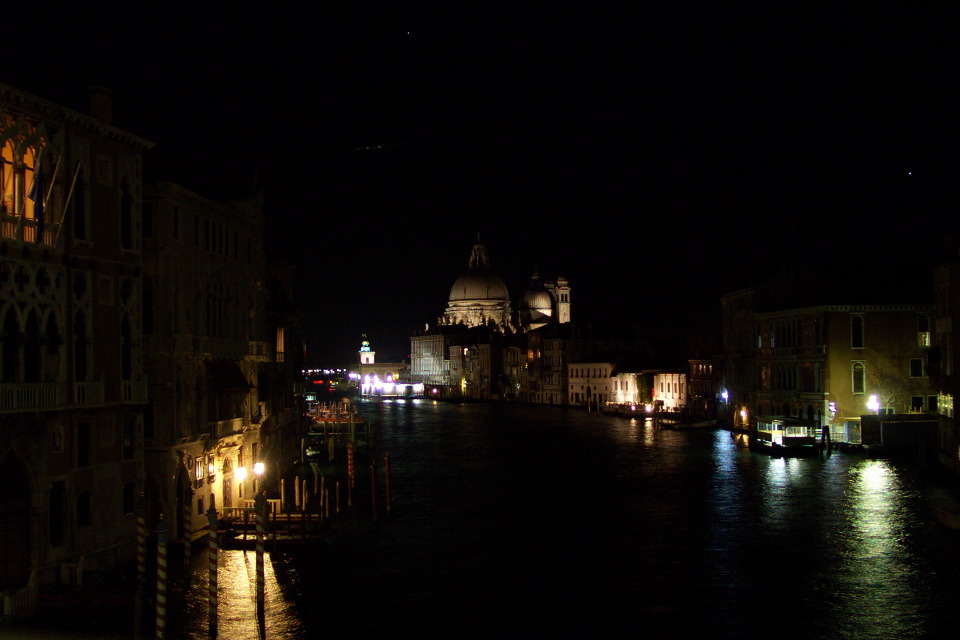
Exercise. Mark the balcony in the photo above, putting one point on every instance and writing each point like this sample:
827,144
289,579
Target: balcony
88,394
12,227
30,396
133,391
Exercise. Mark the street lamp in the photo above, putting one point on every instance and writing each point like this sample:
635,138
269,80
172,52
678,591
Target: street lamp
873,404
258,471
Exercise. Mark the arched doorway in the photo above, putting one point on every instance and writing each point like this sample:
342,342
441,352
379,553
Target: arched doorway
14,523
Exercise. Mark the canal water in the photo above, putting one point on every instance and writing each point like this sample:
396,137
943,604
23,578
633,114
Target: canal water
510,521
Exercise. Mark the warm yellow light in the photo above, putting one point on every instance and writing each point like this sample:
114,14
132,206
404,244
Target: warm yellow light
240,474
258,468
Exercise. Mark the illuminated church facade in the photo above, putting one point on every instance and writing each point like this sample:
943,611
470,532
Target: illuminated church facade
478,348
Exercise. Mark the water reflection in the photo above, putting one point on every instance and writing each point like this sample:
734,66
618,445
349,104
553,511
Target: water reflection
519,521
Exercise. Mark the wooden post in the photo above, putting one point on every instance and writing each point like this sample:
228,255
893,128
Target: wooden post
386,473
373,490
161,578
212,572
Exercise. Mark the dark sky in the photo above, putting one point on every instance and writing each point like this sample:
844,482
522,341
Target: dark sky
656,157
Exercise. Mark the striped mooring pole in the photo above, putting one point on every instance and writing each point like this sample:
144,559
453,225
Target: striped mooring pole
141,566
187,515
260,504
161,578
212,579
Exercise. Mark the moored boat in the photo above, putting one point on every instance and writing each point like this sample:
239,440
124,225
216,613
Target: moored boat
785,436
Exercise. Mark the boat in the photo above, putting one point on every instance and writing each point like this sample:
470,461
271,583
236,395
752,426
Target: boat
332,415
785,436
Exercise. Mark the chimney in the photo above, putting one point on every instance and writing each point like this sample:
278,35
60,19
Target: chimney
101,103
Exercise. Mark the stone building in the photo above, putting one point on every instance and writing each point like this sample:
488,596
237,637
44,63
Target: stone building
479,349
825,362
221,355
72,383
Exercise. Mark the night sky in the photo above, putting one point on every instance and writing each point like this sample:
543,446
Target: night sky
656,157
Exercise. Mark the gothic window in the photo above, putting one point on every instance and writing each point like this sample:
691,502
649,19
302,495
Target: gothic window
126,216
859,378
80,344
11,347
79,201
126,349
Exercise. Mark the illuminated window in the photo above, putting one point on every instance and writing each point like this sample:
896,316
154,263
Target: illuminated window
280,344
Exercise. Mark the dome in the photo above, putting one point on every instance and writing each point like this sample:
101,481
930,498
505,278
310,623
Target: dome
479,297
479,285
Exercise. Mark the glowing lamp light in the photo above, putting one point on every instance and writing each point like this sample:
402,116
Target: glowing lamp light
873,404
258,468
240,474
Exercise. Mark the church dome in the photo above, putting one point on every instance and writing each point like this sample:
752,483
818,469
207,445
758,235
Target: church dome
479,297
479,285
479,282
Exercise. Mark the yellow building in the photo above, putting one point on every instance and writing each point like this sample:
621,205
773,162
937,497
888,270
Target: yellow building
829,364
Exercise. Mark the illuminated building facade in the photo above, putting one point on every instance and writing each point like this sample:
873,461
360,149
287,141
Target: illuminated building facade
478,347
222,373
384,378
946,346
825,363
72,383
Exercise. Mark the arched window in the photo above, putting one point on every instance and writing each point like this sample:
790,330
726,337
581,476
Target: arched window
11,347
80,343
79,202
859,377
126,349
126,216
32,349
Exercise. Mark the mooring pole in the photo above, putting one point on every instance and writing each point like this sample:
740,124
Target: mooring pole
212,573
260,503
161,578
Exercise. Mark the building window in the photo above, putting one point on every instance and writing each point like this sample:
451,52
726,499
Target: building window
129,501
129,430
923,330
80,206
916,368
945,405
83,444
126,216
58,491
856,332
84,509
859,377
916,404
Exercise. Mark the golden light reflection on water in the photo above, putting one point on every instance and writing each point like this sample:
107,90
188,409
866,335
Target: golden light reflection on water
236,600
